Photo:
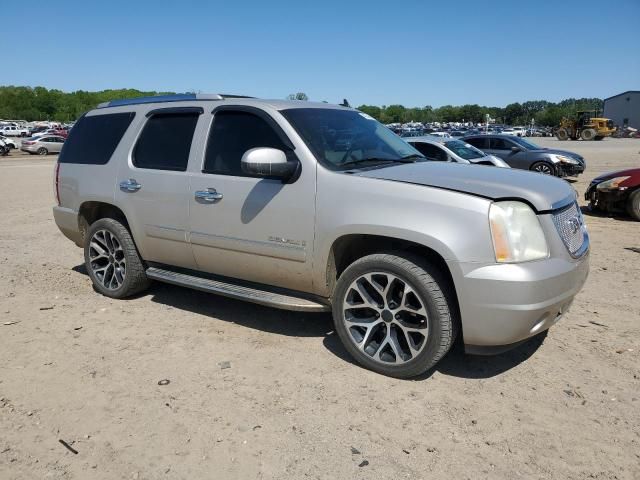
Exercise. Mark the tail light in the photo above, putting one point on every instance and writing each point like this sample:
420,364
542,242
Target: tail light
28,143
56,183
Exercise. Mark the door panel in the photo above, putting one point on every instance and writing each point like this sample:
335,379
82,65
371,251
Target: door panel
153,189
261,230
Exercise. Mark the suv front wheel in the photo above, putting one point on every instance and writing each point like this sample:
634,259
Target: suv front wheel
394,314
112,260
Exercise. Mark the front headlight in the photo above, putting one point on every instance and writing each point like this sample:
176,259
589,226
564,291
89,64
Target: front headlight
516,232
563,159
612,184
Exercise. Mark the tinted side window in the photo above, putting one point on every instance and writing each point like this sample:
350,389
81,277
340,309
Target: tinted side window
231,135
165,142
431,151
499,144
476,142
94,139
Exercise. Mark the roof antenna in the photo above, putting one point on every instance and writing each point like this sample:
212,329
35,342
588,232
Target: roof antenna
345,103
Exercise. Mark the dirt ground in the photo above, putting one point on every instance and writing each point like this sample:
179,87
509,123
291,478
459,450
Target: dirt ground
79,367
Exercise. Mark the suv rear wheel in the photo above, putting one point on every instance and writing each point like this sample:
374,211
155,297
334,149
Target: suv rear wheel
112,260
393,314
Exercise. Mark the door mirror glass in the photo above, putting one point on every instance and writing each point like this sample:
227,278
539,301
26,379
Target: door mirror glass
515,149
268,162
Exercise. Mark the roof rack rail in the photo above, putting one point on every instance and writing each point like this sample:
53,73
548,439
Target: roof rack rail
178,97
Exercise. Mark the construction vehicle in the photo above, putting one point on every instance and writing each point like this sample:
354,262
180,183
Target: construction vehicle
585,124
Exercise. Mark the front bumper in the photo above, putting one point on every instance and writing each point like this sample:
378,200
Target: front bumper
504,304
569,169
607,200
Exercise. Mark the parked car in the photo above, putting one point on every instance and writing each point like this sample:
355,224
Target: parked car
10,143
449,150
35,130
616,192
442,134
43,145
267,202
51,131
526,155
13,131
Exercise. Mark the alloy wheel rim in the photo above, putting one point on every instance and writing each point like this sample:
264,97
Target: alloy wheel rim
543,169
385,318
107,260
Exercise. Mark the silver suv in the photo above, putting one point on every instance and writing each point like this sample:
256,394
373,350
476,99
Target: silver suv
315,207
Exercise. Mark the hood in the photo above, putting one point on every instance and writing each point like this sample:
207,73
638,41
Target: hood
541,191
634,173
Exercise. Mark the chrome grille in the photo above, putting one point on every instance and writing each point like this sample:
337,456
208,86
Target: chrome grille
571,228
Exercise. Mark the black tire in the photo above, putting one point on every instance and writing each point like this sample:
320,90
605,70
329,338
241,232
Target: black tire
588,134
434,291
135,279
42,151
562,134
544,168
633,205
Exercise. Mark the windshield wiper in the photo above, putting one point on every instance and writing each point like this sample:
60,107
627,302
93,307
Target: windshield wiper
413,156
382,161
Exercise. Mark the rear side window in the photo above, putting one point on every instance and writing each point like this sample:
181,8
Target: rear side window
165,142
93,139
431,151
232,134
476,142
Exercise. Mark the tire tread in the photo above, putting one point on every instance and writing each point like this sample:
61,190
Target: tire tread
441,293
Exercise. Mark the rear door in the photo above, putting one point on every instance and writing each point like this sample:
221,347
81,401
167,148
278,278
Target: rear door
258,229
153,185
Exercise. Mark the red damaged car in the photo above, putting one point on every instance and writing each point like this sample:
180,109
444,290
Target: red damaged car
616,192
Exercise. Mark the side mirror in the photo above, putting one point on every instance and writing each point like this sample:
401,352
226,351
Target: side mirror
516,149
268,162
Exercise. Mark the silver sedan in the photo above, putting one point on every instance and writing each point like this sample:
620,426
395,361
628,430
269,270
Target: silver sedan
43,145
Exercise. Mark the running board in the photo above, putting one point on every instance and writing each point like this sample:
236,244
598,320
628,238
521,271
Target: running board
239,292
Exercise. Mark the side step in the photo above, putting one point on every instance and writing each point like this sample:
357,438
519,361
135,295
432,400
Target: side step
249,294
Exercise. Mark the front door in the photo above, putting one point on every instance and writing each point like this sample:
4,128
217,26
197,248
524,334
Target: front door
502,148
255,229
153,186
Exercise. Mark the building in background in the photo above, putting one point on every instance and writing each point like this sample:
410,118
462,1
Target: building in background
624,109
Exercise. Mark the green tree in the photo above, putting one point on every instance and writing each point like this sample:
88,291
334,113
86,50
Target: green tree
298,96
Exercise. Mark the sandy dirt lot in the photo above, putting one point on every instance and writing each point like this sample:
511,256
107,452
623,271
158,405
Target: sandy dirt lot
79,367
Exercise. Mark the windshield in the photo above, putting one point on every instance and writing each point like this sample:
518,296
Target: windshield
528,145
342,139
464,150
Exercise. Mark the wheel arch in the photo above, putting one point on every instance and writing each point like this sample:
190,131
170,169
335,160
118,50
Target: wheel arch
91,211
348,248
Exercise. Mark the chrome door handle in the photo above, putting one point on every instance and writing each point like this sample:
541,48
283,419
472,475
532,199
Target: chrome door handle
208,195
130,185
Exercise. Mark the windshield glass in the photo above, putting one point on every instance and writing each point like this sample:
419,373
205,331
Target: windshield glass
528,145
342,139
464,150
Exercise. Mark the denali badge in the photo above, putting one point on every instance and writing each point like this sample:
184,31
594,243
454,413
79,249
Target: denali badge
288,241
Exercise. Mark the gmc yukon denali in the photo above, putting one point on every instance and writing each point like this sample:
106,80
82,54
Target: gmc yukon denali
314,207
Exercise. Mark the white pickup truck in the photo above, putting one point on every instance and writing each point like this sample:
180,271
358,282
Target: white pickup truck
13,131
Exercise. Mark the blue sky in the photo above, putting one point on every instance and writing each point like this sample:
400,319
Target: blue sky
412,52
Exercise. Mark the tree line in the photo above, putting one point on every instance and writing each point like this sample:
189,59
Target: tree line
39,103
541,111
